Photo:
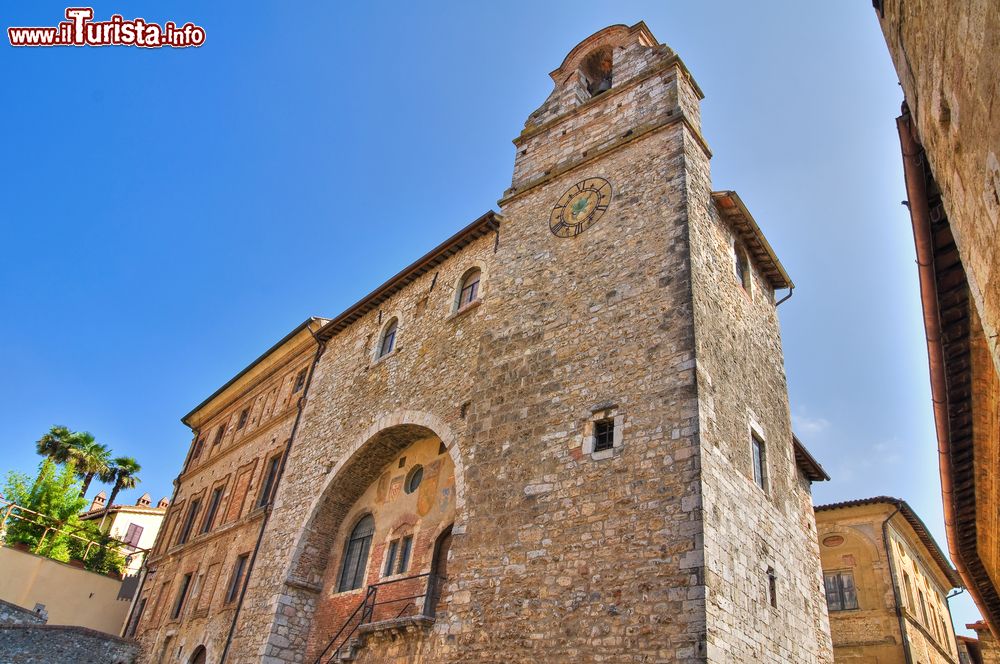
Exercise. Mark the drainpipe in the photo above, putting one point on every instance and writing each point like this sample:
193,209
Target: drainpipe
791,289
916,194
320,347
895,587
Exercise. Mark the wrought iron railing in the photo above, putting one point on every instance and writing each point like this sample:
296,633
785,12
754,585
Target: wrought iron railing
367,610
11,511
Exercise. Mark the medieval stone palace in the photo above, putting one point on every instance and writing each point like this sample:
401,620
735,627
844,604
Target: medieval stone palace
563,435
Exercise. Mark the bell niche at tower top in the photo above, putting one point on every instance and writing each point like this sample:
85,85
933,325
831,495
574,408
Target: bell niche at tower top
611,88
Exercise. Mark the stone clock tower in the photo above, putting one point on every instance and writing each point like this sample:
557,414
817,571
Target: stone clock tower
633,296
563,435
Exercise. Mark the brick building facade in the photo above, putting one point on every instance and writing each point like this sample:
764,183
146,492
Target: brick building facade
196,570
562,435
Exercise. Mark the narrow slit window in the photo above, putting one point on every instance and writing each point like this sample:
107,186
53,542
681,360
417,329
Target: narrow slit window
244,414
759,461
390,558
300,381
213,508
742,266
192,514
404,554
772,587
236,582
219,433
269,481
181,596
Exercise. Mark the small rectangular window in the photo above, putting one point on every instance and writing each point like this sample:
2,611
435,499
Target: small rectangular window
604,434
923,606
404,554
270,478
213,508
181,596
300,381
219,433
192,514
236,582
198,444
390,558
243,418
759,461
840,592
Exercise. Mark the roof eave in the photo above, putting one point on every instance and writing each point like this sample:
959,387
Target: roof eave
732,208
488,222
285,339
918,525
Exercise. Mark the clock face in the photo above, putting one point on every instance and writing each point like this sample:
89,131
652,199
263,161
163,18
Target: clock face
580,207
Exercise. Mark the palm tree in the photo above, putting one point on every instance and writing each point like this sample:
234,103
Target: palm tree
126,476
92,459
56,444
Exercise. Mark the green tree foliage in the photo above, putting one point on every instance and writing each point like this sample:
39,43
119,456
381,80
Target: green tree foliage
55,504
55,495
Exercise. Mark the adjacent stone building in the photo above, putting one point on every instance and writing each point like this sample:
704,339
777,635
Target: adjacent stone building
886,583
984,647
945,53
561,435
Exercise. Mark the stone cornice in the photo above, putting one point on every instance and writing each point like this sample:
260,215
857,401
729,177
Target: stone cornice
625,139
673,61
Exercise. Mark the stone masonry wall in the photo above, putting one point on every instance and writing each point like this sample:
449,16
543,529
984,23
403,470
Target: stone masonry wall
353,397
543,531
560,554
46,644
741,384
12,614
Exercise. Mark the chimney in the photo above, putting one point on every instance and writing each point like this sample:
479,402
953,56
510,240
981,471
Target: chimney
99,501
144,501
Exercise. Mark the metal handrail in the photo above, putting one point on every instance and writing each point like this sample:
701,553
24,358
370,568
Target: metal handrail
9,513
367,609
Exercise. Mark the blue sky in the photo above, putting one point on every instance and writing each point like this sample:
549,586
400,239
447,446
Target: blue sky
168,214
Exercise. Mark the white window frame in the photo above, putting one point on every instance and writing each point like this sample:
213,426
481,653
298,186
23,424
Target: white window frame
598,413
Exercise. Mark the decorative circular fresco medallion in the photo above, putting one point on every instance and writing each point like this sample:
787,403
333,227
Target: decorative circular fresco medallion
833,540
580,207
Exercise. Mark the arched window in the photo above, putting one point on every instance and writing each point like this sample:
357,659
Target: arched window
352,571
388,341
468,289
